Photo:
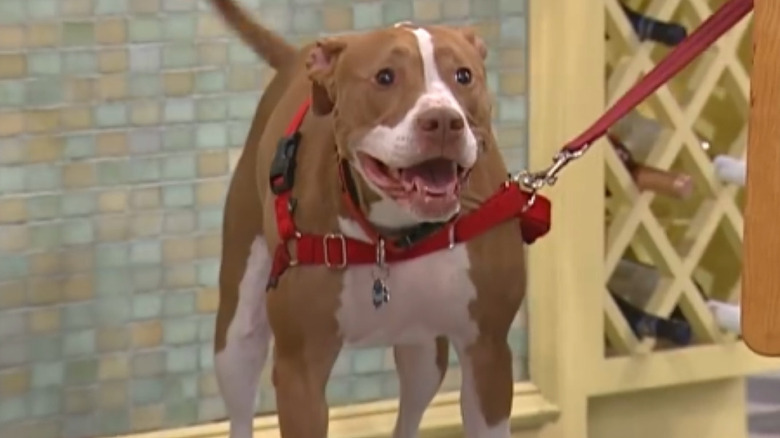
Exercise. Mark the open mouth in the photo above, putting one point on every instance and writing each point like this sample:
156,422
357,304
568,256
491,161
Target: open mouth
431,188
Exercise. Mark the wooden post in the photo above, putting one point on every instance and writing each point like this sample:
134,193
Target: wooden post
566,280
761,272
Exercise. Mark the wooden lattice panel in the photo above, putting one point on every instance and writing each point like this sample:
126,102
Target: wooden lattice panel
694,245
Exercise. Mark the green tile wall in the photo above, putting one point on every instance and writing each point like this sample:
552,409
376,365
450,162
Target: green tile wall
119,123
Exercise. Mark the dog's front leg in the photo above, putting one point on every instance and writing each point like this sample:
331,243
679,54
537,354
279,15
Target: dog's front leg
307,344
486,386
300,376
421,369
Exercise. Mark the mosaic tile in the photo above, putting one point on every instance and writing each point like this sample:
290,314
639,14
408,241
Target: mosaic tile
77,231
209,219
12,93
179,110
12,180
144,170
110,31
178,195
84,62
149,417
179,55
147,306
79,146
185,412
145,6
367,15
45,403
12,11
180,332
148,364
145,29
79,316
510,109
145,58
110,423
77,426
81,371
110,7
211,135
44,348
78,204
179,304
182,359
13,409
47,62
210,81
112,310
178,5
78,175
147,278
113,396
180,27
49,374
113,368
111,115
78,33
12,324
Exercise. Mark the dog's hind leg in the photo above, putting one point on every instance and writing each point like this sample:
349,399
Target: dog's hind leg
421,369
243,337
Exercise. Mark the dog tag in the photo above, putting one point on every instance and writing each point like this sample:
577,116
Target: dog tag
379,293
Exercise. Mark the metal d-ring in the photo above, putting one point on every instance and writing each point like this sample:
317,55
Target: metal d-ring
294,258
451,236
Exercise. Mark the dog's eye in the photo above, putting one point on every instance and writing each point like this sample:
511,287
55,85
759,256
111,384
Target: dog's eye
385,77
463,76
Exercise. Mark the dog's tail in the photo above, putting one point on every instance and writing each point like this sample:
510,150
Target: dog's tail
268,44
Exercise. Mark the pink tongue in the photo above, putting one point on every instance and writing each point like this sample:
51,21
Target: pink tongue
434,176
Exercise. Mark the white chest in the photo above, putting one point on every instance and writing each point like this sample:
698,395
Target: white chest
429,296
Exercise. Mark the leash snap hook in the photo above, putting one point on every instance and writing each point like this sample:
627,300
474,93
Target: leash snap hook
535,181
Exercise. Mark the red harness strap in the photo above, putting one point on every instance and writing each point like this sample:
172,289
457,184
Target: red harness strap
337,251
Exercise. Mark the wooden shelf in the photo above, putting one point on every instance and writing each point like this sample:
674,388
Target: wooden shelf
682,366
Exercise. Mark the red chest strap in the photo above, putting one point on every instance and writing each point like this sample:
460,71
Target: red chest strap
337,251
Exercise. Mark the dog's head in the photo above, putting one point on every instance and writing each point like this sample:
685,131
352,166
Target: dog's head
411,112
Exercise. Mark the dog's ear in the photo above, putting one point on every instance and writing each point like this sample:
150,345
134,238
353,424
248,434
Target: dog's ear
321,66
471,36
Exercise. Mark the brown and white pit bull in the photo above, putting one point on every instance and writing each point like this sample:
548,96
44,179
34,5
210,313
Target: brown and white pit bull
407,109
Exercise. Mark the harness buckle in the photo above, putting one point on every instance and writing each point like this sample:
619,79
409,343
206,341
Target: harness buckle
282,172
342,247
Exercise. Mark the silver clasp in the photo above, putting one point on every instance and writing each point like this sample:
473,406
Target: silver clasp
535,181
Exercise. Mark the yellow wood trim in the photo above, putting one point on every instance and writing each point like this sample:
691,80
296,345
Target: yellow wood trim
566,268
375,420
695,364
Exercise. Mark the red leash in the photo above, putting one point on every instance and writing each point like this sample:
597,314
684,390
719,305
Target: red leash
697,42
337,251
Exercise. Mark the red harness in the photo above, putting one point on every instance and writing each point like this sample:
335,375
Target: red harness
337,251
510,202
